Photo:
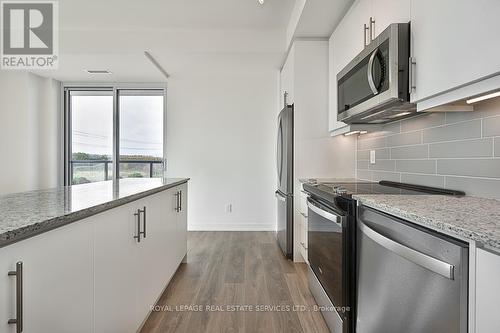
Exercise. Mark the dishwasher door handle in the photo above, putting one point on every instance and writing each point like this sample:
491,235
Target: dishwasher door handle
435,265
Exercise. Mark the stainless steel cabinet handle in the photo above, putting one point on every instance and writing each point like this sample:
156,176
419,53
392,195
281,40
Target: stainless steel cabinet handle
138,220
180,201
143,211
327,215
177,201
372,28
18,273
365,28
303,245
435,265
370,72
411,85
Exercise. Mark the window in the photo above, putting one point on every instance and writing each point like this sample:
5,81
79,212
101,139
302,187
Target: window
108,124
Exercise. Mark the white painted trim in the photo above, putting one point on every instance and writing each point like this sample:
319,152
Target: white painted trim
472,286
231,227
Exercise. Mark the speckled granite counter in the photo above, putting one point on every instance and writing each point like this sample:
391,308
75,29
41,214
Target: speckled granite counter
26,214
462,217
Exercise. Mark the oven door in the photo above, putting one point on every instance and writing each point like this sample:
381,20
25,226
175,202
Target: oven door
326,249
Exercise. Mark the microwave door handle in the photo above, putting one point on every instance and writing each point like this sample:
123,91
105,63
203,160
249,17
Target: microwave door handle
435,265
370,72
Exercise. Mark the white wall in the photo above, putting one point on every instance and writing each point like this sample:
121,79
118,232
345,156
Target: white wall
221,133
29,132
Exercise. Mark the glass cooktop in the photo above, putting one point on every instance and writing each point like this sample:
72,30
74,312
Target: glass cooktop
347,189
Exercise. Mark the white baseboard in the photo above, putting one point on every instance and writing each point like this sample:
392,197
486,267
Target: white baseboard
231,227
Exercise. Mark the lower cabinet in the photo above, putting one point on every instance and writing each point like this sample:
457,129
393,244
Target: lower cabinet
95,275
57,281
487,292
303,226
132,272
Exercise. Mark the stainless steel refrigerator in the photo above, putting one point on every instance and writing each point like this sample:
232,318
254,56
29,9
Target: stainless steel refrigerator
284,194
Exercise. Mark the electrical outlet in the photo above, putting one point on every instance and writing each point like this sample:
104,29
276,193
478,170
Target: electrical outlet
372,156
229,208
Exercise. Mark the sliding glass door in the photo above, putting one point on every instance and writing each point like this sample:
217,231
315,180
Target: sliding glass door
108,124
141,133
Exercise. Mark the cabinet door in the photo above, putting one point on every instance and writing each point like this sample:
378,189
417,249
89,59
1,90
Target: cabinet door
57,281
386,12
182,223
453,43
487,291
345,43
286,77
156,253
115,270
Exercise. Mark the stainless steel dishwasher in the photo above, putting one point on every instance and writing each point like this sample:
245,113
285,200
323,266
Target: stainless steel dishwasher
410,279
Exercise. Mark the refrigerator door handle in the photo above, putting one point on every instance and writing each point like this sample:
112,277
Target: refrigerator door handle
279,152
280,197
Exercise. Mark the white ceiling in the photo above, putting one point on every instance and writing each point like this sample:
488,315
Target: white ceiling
202,37
320,17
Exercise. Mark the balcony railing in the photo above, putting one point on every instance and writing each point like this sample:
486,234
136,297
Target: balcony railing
86,171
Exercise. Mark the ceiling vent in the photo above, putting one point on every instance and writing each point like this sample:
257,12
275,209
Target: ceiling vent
97,71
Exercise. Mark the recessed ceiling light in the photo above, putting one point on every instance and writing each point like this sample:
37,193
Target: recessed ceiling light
482,98
97,71
261,2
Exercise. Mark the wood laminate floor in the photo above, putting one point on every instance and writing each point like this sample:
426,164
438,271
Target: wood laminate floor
225,269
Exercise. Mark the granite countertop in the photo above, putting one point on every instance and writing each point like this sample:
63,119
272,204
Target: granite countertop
465,217
26,214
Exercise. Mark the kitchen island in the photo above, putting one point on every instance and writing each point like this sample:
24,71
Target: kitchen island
92,257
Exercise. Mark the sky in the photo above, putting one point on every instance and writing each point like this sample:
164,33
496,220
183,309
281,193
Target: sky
141,125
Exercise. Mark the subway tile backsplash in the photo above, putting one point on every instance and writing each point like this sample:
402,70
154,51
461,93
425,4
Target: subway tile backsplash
457,150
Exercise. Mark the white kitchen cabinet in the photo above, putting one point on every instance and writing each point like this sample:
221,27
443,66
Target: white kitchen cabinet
130,275
57,281
115,270
386,12
181,238
303,225
487,292
158,251
287,80
454,42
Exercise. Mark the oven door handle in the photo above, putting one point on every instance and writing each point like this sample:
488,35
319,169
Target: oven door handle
434,265
327,215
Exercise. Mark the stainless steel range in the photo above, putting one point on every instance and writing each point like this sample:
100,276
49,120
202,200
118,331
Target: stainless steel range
332,244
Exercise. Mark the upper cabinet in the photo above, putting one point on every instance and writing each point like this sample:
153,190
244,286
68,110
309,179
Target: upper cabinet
454,43
286,80
454,51
386,12
363,21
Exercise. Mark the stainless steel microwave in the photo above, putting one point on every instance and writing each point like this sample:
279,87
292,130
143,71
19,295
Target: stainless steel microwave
374,87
